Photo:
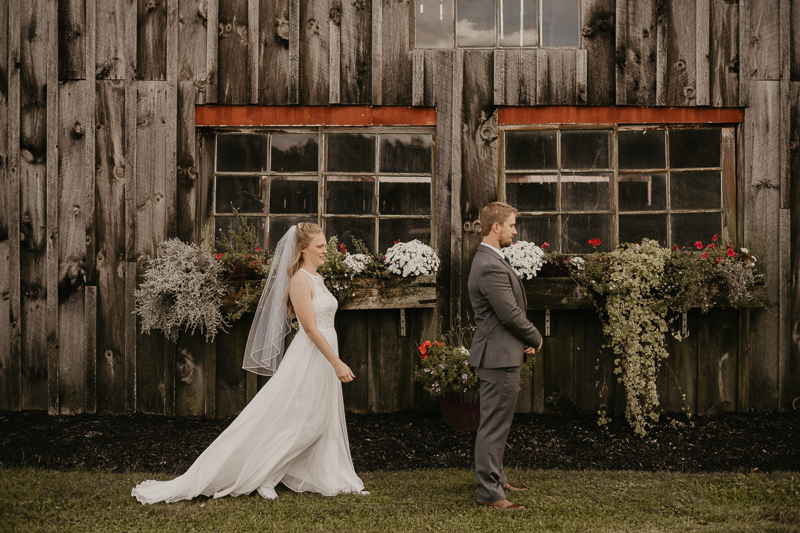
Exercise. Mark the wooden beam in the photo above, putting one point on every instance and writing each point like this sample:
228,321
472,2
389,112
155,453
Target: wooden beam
314,54
725,63
274,66
151,40
703,52
72,39
215,115
110,41
599,33
618,115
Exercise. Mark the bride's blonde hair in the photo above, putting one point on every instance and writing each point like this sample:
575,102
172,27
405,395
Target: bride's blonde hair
304,234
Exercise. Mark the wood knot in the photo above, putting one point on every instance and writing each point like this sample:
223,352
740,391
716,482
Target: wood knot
119,172
688,91
282,30
109,354
151,4
336,15
76,209
680,65
587,31
793,146
472,226
202,10
645,33
755,40
77,131
312,26
583,96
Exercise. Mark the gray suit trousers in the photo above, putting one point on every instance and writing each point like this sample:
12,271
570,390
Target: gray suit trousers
499,391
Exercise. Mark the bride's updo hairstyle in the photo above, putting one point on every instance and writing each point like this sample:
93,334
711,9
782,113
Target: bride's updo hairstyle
304,233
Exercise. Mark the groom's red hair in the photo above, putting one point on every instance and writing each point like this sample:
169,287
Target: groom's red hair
495,212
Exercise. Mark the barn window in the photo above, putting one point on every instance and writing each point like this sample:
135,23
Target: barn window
374,184
620,184
498,24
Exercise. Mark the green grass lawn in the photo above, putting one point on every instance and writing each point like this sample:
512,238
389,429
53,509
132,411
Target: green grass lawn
424,500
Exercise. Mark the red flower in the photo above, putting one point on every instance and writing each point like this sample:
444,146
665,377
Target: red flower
219,256
438,343
594,242
428,343
716,237
719,260
731,253
698,245
425,356
257,248
423,350
341,247
705,254
545,246
396,242
675,247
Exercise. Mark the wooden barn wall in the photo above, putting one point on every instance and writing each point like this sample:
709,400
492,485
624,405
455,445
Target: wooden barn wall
100,162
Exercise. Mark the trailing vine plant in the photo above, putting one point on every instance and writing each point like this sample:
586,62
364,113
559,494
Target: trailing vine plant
626,287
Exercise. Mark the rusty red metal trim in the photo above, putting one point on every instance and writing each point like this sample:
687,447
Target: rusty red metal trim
513,116
235,115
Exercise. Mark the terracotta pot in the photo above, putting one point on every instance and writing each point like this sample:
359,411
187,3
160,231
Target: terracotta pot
461,411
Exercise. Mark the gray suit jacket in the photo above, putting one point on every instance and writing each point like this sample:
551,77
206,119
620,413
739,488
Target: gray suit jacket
499,303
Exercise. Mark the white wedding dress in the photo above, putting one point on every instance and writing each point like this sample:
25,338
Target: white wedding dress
293,431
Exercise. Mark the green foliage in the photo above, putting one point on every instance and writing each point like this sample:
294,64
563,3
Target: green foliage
335,272
443,366
245,266
182,290
376,268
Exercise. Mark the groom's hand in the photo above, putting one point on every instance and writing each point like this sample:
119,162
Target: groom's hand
530,350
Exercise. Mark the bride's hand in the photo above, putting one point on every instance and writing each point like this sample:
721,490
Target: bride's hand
343,372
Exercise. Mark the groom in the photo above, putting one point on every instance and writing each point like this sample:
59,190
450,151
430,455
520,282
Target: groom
504,337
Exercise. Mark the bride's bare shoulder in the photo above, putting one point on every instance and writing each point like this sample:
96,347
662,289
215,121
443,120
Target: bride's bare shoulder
300,282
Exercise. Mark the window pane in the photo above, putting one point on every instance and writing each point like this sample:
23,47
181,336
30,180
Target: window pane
585,149
511,12
223,224
242,152
293,194
577,230
406,153
642,149
695,190
278,226
532,150
242,192
405,195
350,195
585,192
535,192
347,228
634,228
538,230
688,228
433,24
694,148
403,229
475,25
560,22
642,192
351,152
295,152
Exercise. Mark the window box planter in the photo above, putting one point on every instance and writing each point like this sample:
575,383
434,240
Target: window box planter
368,293
566,293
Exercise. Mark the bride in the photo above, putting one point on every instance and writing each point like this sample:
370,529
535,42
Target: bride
293,431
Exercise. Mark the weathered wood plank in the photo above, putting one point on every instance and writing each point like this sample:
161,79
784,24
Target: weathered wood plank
314,55
704,356
743,370
33,154
479,155
71,39
192,46
539,375
396,62
253,34
10,365
110,179
205,205
151,41
212,51
186,196
581,68
231,379
640,49
745,61
392,357
377,52
210,360
599,39
130,137
90,319
793,392
794,44
393,293
457,288
51,209
764,41
785,66
171,174
520,77
681,368
681,49
356,54
559,363
723,353
232,63
275,69
703,51
335,51
662,30
72,225
110,41
294,51
418,83
784,310
583,375
499,76
190,385
761,234
90,132
621,53
355,325
556,74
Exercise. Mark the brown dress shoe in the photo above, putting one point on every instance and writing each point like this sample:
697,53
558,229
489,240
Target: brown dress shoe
510,487
504,505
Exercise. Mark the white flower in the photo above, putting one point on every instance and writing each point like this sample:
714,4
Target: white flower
526,258
579,263
411,258
357,263
745,251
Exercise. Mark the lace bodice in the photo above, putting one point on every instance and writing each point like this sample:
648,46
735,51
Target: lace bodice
324,303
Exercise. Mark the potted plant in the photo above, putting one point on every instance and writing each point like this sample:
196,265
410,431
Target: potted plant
445,373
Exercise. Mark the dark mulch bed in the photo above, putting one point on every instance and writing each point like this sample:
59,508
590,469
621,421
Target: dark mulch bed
415,439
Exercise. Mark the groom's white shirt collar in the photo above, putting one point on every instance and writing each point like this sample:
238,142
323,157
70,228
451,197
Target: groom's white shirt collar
498,252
